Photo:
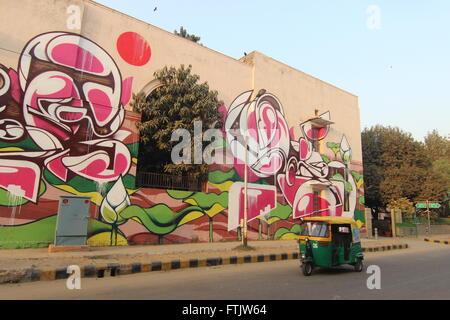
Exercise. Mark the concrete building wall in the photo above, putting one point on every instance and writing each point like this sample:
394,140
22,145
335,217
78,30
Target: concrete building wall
68,70
301,94
168,49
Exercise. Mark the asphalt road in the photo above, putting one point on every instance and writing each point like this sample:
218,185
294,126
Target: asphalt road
420,272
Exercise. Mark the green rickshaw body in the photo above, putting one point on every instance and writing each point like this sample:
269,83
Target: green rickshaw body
330,241
321,252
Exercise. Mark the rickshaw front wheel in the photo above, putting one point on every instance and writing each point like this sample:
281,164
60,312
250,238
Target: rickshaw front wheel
307,268
358,265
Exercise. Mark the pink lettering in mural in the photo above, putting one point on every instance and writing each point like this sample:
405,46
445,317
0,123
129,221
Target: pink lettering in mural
261,199
257,133
108,160
73,55
15,86
56,103
100,104
55,93
127,86
56,166
20,178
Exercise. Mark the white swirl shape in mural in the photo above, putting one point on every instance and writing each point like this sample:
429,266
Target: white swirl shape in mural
113,204
10,129
57,98
262,123
5,83
108,160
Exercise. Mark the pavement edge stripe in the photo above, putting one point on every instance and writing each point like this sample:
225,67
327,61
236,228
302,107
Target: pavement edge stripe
113,269
436,241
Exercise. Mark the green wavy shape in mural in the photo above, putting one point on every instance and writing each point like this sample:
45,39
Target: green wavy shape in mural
207,200
281,211
218,176
84,185
210,204
288,234
340,178
25,144
159,219
179,194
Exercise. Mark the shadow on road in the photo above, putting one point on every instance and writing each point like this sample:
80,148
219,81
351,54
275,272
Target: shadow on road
334,271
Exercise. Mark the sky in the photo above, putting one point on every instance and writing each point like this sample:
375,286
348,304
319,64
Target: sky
393,54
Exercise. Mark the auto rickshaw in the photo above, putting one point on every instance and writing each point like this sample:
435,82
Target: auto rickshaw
329,242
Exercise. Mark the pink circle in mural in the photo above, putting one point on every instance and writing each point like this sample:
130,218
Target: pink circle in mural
133,48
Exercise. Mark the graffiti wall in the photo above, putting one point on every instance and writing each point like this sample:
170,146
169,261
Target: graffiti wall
65,130
291,177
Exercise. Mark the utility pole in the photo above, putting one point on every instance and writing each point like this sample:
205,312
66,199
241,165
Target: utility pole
394,231
244,229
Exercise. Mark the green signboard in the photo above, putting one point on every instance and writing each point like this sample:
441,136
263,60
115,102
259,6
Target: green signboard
424,205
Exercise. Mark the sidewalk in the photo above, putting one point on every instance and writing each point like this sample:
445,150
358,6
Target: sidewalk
20,265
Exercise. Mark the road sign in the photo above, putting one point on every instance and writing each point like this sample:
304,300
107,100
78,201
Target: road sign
424,205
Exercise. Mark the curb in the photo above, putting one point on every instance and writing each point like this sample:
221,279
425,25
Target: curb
115,269
436,241
385,248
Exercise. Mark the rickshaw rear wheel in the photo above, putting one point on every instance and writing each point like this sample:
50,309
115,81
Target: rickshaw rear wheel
358,265
307,268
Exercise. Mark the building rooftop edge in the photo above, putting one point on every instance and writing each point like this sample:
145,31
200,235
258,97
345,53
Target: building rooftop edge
240,60
255,52
165,31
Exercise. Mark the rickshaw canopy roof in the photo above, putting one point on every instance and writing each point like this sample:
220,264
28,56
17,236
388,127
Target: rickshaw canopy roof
333,220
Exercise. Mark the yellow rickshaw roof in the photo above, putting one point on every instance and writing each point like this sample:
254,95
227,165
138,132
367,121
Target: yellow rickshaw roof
332,220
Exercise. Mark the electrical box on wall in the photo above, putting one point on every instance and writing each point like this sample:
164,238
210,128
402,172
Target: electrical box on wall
72,221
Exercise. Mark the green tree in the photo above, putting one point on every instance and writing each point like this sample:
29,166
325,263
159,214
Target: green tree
406,181
176,104
372,140
406,206
437,186
437,146
396,166
400,149
183,33
442,167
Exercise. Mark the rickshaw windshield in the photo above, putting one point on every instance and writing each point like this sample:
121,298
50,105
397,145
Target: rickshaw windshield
315,229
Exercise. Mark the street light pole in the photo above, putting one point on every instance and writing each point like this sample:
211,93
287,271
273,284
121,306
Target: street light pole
394,231
244,229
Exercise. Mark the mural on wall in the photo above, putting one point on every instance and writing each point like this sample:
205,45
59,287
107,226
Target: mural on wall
62,115
312,184
64,130
261,201
69,101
